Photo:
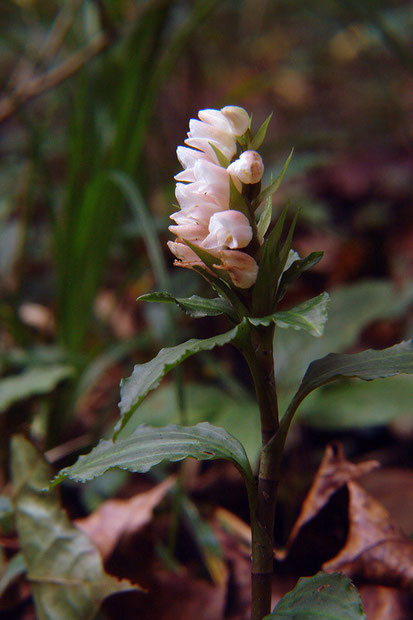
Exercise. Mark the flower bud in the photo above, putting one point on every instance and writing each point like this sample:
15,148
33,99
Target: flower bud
248,168
230,229
238,117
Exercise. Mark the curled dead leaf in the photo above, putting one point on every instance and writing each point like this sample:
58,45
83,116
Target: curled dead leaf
334,472
376,550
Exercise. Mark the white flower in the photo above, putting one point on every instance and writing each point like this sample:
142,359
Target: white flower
248,168
230,229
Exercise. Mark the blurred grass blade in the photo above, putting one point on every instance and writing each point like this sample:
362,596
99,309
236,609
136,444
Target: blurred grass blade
33,381
145,220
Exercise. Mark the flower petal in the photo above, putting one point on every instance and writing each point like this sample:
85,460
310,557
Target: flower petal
230,229
241,267
238,117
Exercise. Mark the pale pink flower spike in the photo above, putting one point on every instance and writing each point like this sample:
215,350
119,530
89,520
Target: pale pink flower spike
205,219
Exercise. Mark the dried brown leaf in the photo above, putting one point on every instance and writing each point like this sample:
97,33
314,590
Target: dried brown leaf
383,603
376,550
334,472
121,517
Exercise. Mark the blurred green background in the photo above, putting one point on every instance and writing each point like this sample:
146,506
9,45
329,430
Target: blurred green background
96,95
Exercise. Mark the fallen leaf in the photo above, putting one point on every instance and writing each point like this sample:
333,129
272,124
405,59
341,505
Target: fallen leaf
171,596
387,486
383,603
116,518
64,568
376,550
334,472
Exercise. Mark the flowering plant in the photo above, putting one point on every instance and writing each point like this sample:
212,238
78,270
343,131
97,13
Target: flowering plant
222,230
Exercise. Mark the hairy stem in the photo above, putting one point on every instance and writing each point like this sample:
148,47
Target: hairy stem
260,359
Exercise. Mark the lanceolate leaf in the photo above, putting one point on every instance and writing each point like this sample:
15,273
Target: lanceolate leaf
237,200
148,446
222,159
310,316
209,259
286,248
265,220
272,188
367,365
358,404
262,293
195,306
259,137
332,597
63,566
40,380
225,291
295,270
146,377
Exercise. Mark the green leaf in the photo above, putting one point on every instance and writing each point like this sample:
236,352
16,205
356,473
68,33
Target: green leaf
40,380
285,251
259,137
265,285
236,412
145,221
146,377
6,515
148,446
310,316
358,404
15,569
222,159
295,270
368,365
63,566
237,201
195,306
272,188
225,291
265,220
333,597
351,308
204,537
209,259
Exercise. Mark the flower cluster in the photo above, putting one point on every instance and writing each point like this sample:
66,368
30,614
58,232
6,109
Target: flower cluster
205,219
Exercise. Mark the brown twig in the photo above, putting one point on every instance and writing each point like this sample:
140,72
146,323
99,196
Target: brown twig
40,84
58,31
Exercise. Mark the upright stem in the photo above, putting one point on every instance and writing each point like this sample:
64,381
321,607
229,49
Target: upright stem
260,359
